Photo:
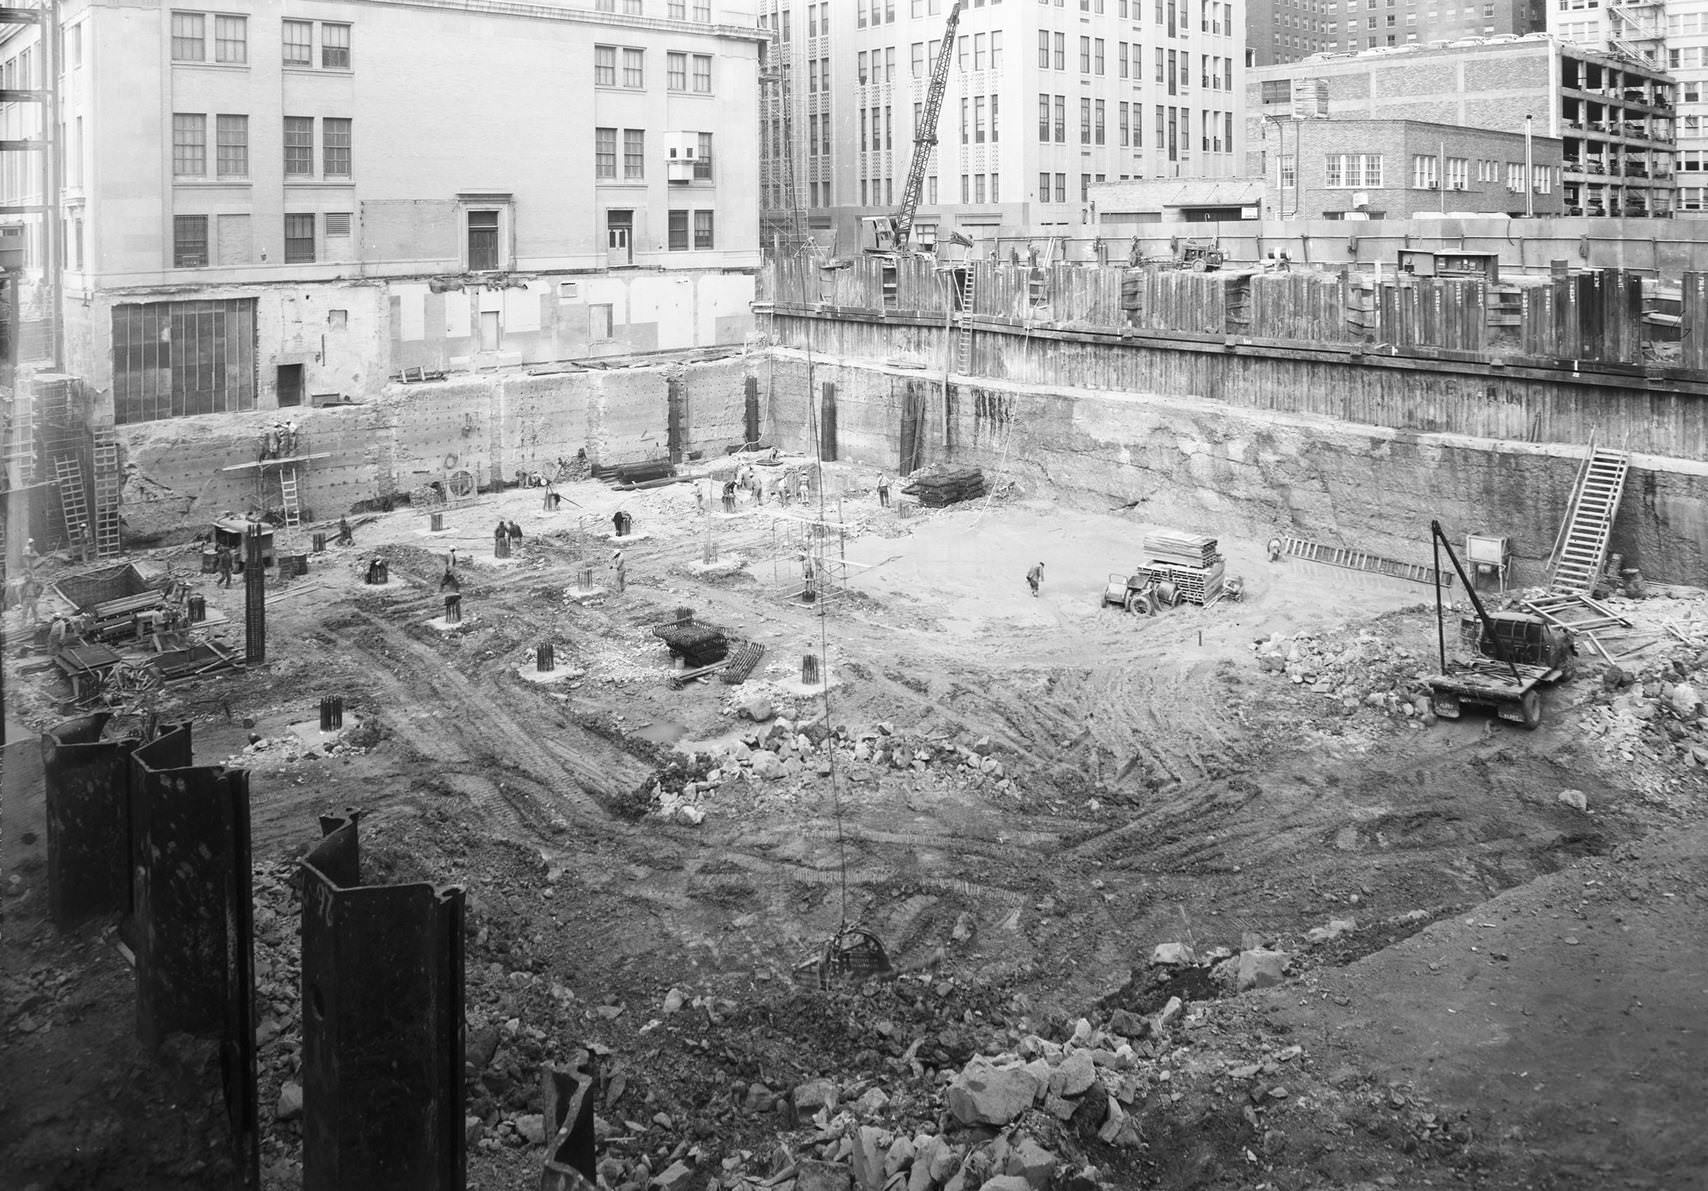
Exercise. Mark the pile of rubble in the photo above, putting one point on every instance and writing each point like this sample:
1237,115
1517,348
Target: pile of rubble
1366,671
1652,719
774,747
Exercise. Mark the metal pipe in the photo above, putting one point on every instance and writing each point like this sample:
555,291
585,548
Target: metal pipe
1529,172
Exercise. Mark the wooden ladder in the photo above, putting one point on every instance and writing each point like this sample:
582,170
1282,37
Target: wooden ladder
293,508
964,344
1583,548
107,486
68,474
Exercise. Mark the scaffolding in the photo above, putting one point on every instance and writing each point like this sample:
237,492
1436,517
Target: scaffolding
781,220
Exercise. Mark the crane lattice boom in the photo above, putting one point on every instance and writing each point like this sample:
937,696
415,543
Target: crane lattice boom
925,136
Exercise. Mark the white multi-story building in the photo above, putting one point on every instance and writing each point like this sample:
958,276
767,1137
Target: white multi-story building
1043,99
260,200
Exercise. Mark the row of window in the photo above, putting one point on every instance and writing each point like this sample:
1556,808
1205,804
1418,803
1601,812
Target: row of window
679,69
981,188
1214,16
231,146
633,140
676,10
224,38
1060,188
191,244
1427,174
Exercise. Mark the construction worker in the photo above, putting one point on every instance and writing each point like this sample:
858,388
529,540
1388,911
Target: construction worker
1035,578
805,491
617,523
288,437
345,536
60,629
449,579
222,564
619,571
729,496
514,532
883,489
29,596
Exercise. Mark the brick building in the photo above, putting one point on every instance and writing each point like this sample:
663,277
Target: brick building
1368,24
1612,115
1398,169
1287,30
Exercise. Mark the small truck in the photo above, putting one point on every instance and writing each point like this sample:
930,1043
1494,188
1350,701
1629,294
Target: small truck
1506,657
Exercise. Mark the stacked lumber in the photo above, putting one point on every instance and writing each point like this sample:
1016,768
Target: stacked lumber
945,486
1181,549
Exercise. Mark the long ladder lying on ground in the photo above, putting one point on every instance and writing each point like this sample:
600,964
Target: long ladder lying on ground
68,473
1359,560
1583,549
107,484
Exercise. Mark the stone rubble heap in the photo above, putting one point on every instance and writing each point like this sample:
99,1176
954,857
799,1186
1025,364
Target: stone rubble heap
1366,671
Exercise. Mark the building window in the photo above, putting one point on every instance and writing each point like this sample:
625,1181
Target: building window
299,43
1044,118
1043,49
676,10
1043,188
1097,111
1061,188
1085,121
1458,173
631,8
676,71
231,39
1352,171
1061,119
189,241
1423,175
189,145
233,146
1289,175
634,153
604,152
604,66
703,163
188,44
335,147
679,230
335,47
634,67
483,240
702,74
703,11
299,146
702,229
299,239
172,359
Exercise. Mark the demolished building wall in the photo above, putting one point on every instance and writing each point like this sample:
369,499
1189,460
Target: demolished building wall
492,426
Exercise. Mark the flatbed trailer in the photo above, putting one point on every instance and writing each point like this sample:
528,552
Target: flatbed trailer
1491,684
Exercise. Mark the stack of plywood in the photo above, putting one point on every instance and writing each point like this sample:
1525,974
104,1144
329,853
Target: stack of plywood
1181,549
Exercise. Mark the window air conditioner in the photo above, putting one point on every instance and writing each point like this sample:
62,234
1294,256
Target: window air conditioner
1431,186
1458,186
681,151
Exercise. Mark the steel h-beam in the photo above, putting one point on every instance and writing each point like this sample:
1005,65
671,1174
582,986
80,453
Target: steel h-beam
194,918
86,790
382,1047
571,1159
254,598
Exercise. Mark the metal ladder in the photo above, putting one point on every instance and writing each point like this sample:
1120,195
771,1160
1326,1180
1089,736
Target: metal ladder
1583,551
964,345
107,484
68,474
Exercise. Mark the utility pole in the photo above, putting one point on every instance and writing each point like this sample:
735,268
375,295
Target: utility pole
1529,172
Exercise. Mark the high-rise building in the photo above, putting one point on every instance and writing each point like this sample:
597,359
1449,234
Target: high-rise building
1611,114
1043,99
260,203
1672,34
1370,24
1287,30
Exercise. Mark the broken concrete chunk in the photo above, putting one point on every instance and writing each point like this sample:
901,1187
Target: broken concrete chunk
1260,968
1167,1014
1031,1162
869,1154
290,1102
755,707
674,1177
1006,1182
814,1095
1076,1073
812,1175
1172,953
1129,1024
1335,928
899,1157
532,1127
985,1094
674,1000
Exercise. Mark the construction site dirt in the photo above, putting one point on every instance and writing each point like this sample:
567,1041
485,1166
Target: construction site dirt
1492,968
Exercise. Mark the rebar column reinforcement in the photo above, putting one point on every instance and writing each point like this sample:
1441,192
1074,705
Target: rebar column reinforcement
254,598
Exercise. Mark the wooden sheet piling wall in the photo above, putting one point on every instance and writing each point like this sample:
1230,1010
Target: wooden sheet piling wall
1581,317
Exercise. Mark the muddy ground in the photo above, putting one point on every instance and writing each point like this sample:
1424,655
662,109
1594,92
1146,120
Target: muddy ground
1024,797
